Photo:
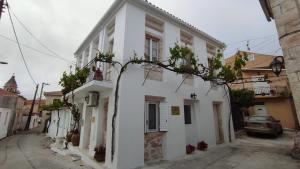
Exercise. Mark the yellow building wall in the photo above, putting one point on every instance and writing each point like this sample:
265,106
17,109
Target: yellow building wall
281,109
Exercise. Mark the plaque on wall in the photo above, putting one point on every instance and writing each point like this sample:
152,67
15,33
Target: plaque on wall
175,110
93,119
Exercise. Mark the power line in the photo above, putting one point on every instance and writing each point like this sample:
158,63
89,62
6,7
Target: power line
19,46
263,37
34,49
35,38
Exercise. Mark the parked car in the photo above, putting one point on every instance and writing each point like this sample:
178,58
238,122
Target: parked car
264,125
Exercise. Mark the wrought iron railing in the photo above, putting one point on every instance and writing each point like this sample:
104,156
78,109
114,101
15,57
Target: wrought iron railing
99,71
277,91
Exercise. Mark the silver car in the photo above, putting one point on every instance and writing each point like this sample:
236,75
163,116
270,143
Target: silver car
264,125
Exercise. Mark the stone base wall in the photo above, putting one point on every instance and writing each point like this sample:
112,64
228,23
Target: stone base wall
153,146
287,18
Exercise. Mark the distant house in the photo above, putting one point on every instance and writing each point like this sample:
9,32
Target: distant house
272,94
57,121
35,118
11,108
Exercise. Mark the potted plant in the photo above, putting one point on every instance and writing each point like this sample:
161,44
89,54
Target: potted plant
190,149
75,138
202,146
100,154
69,136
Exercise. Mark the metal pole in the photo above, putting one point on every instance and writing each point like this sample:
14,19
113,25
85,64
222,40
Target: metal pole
31,109
41,97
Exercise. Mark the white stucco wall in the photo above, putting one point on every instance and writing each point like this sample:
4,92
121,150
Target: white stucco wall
129,37
5,116
63,126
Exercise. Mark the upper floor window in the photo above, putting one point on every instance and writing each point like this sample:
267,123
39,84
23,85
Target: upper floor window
152,50
251,57
186,39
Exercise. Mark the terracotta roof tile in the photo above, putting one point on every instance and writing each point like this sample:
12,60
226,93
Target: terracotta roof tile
260,60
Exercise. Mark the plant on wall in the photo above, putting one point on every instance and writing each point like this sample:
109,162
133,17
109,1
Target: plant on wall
244,98
70,82
181,61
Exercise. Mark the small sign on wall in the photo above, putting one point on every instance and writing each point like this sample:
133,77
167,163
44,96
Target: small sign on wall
93,119
175,110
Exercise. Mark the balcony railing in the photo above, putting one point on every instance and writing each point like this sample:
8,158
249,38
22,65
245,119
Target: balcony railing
274,91
99,79
99,71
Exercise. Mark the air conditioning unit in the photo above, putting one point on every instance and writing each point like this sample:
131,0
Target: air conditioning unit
92,99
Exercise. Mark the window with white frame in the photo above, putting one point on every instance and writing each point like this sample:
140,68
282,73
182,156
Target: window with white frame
152,116
108,66
79,61
156,116
152,48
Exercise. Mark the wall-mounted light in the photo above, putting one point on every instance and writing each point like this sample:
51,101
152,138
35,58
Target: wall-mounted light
87,98
277,65
193,96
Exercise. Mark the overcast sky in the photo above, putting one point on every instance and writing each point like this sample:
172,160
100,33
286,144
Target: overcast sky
62,26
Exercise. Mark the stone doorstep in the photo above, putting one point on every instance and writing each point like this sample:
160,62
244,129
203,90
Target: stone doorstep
77,154
87,159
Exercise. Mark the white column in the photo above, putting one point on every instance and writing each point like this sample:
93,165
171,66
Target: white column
82,131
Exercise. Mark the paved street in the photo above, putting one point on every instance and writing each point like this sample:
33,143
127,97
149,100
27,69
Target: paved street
30,151
245,153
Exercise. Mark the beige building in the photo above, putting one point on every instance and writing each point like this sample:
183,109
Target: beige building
272,94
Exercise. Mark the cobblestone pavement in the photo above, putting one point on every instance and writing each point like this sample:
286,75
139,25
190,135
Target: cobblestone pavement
255,152
31,151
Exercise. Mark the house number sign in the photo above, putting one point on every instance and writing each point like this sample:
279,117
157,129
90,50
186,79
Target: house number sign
175,110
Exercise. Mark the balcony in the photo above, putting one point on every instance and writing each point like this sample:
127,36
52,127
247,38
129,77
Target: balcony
94,82
271,92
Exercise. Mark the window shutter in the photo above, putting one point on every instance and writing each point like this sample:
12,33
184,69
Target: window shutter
164,114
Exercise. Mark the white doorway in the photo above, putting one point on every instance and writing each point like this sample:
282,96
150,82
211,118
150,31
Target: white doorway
191,131
218,123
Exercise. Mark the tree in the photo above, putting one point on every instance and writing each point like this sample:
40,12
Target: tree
70,82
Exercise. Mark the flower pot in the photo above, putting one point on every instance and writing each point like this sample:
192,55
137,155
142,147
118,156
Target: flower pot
202,146
190,149
69,137
100,154
100,157
75,139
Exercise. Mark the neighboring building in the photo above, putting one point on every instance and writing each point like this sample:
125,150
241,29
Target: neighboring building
286,14
59,121
11,108
154,121
272,94
35,118
7,102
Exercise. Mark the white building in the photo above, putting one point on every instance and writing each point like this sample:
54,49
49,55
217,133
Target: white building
156,119
60,123
5,116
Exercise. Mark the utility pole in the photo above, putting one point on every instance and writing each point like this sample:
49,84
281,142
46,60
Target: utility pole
41,96
2,6
31,109
3,63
